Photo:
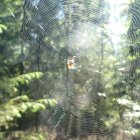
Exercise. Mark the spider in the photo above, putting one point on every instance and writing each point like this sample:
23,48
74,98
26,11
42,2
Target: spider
71,63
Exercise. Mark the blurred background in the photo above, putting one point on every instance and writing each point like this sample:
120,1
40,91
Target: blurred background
69,70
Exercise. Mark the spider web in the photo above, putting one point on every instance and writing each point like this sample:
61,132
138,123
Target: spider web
54,31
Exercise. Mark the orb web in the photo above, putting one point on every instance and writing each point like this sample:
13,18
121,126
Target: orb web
87,32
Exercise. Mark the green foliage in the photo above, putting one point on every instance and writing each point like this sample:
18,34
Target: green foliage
20,135
23,79
2,28
15,96
15,107
31,136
